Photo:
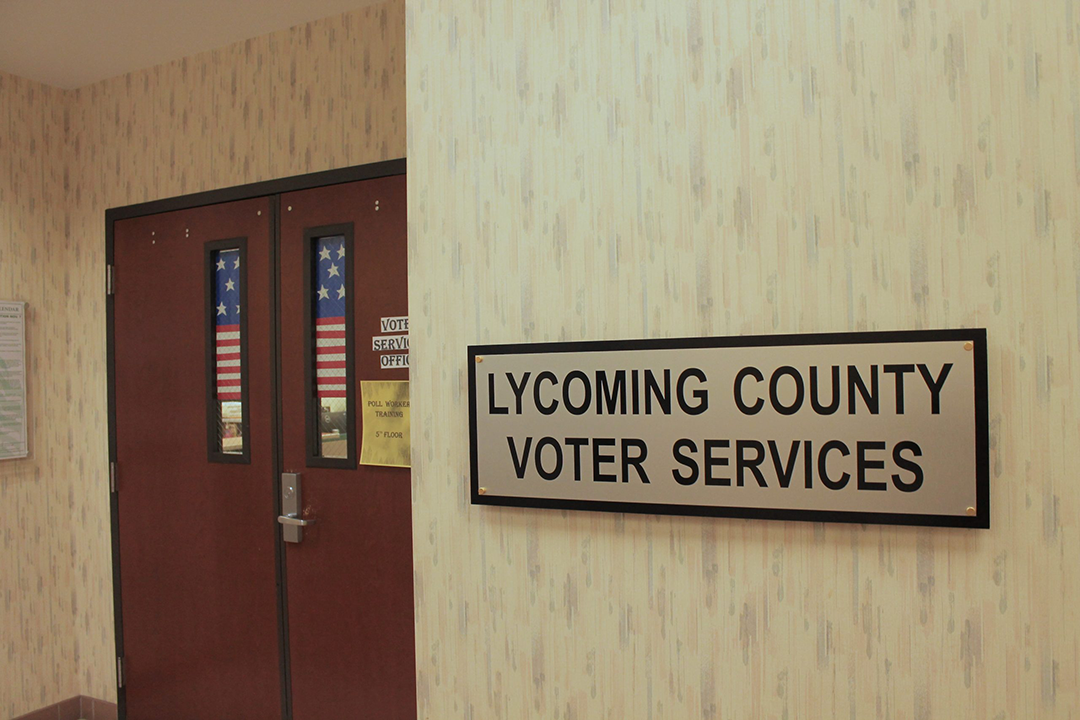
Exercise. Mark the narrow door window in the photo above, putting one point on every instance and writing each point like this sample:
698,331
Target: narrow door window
330,408
226,351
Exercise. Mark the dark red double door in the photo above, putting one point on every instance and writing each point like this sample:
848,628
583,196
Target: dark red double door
241,338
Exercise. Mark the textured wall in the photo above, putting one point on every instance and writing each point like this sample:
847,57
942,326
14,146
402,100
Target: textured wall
37,665
324,95
649,169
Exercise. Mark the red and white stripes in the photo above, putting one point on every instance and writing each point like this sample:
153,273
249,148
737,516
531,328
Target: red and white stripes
228,362
330,357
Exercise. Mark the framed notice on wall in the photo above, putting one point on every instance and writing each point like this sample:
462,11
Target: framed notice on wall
13,442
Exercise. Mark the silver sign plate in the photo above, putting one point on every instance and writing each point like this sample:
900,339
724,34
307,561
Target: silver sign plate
856,427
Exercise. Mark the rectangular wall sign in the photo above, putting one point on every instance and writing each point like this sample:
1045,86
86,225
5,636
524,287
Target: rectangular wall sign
882,427
13,442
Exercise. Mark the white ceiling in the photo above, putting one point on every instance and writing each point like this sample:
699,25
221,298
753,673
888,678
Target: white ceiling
71,43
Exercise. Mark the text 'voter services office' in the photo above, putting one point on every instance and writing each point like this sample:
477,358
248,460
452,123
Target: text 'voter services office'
864,427
394,347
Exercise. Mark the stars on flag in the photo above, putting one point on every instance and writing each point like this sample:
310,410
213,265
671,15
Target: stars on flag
330,340
330,276
227,287
227,332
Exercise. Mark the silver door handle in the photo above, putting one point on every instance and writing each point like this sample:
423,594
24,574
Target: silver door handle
291,519
292,525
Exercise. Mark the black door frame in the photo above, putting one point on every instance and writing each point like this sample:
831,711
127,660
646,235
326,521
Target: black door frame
272,189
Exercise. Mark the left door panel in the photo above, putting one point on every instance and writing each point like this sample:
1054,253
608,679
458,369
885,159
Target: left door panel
195,459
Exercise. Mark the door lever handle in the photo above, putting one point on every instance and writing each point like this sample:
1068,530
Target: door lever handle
292,530
291,519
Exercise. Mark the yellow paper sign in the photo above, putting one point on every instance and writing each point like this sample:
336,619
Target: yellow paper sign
386,423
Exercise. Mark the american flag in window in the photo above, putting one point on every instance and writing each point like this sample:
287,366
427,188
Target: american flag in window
331,390
227,366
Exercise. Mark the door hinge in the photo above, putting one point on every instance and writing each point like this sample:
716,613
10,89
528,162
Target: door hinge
110,280
119,671
112,477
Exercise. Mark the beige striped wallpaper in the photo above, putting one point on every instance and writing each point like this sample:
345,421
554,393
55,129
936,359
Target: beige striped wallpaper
600,169
37,575
324,95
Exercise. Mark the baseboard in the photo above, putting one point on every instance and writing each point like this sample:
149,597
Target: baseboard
87,708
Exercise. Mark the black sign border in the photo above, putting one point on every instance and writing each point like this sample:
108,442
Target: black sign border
976,336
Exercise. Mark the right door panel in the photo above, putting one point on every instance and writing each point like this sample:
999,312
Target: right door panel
349,580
